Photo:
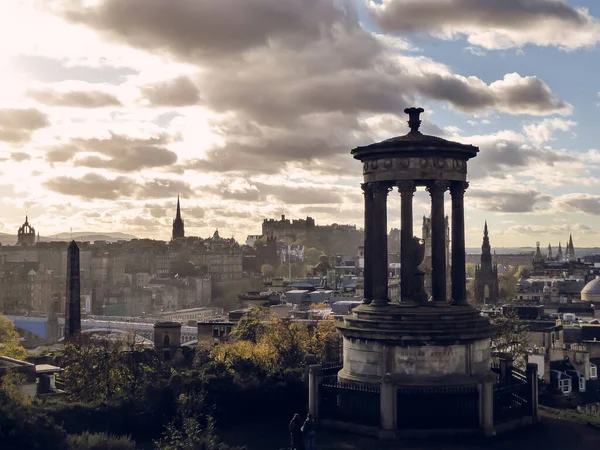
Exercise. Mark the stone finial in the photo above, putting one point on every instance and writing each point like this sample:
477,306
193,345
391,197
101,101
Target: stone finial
414,122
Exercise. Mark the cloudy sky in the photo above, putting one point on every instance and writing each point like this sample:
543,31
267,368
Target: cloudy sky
248,109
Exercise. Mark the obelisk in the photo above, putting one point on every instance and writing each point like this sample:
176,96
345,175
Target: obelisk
73,297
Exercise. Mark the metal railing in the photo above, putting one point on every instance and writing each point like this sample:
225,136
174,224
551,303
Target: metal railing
512,399
353,403
443,407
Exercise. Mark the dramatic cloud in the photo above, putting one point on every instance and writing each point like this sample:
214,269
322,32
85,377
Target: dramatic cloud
74,99
578,203
164,188
18,125
507,200
492,24
180,91
203,29
279,75
304,194
95,186
513,94
543,131
509,152
561,230
92,186
117,152
20,156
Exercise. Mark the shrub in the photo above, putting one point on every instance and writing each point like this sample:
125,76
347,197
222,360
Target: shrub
100,441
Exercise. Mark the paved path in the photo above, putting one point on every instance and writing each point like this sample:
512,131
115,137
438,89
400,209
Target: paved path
549,434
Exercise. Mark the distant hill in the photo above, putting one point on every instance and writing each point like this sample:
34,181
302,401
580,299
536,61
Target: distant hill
89,236
579,251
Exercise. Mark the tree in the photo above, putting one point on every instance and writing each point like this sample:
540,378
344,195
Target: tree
507,286
523,272
267,270
250,327
103,368
470,270
192,428
312,256
9,340
511,337
23,427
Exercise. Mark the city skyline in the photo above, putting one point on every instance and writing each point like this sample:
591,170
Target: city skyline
109,111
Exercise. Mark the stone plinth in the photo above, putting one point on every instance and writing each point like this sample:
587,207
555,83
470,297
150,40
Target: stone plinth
415,343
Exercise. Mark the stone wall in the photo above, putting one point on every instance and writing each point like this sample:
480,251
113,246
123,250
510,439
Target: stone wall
373,359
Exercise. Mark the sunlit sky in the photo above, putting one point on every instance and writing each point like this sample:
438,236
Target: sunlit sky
249,108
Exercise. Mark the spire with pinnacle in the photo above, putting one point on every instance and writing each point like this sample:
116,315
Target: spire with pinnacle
538,253
486,251
570,249
549,251
559,254
178,226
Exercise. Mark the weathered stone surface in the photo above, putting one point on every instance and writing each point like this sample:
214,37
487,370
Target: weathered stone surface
420,340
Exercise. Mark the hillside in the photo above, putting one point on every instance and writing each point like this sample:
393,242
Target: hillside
90,236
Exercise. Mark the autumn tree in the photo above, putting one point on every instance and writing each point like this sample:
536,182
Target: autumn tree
267,270
103,368
470,270
507,286
523,272
251,326
512,337
9,340
312,256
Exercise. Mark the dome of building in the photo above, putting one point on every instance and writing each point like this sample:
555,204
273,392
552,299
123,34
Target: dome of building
591,291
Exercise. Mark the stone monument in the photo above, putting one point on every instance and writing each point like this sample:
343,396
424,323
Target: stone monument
415,338
73,297
422,365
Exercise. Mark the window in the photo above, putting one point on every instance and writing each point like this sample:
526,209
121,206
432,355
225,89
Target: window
581,384
593,371
565,386
166,340
215,331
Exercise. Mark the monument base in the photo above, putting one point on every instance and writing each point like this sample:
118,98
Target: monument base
434,341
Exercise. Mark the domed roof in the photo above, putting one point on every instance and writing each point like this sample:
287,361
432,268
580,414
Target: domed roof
416,141
592,288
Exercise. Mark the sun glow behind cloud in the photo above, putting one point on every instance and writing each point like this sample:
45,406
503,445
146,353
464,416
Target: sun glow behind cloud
238,120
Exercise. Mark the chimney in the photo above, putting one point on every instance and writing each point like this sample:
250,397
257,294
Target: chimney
73,303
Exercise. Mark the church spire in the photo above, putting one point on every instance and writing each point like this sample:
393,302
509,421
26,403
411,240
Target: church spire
178,226
486,251
559,254
570,248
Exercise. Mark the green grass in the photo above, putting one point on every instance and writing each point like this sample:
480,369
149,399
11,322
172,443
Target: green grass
568,414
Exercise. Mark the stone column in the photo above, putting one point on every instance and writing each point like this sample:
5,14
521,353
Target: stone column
438,240
314,381
459,273
387,408
379,254
532,380
407,265
486,405
368,244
